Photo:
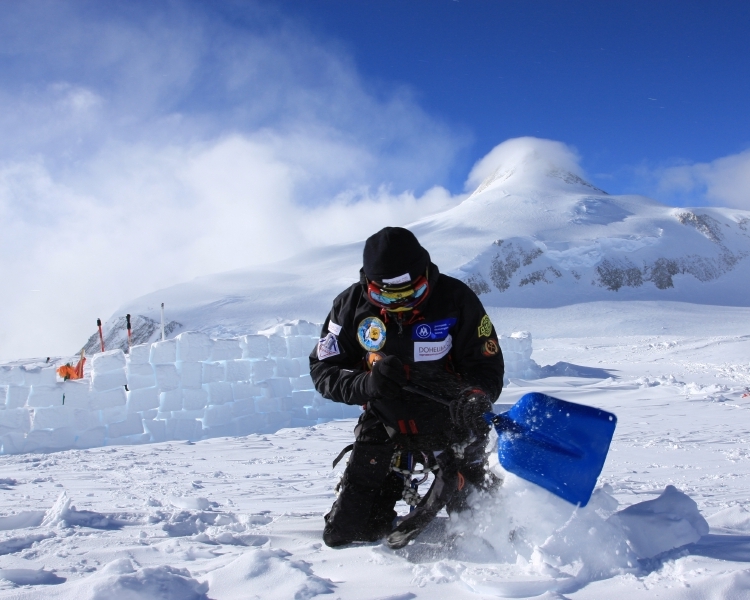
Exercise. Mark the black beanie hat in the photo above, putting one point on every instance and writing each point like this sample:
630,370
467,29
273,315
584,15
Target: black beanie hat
393,252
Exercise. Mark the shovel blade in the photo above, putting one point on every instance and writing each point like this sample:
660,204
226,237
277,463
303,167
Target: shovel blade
558,445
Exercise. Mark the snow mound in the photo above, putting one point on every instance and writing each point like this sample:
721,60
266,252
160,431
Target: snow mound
655,526
542,544
267,573
120,579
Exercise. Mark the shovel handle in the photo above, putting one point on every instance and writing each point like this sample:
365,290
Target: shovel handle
418,389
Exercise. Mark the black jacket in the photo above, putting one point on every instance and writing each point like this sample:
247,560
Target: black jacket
448,344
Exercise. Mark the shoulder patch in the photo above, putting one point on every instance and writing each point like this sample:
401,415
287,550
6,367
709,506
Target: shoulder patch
328,346
333,328
490,348
485,327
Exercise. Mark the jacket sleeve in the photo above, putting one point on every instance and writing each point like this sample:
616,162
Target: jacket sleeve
336,363
477,355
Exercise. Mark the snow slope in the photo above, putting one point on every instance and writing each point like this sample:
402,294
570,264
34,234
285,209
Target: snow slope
533,234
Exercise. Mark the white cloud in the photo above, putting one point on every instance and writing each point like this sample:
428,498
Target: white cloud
528,156
149,153
722,182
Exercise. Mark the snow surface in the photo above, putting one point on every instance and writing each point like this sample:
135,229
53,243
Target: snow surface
242,517
648,318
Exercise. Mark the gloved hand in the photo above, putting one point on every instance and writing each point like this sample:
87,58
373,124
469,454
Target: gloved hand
467,411
386,379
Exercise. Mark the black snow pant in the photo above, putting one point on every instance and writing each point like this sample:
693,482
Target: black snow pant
369,490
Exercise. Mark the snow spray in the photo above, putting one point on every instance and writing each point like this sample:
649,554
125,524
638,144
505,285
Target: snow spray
162,321
101,335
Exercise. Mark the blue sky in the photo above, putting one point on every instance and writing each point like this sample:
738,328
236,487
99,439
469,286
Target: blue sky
628,83
144,143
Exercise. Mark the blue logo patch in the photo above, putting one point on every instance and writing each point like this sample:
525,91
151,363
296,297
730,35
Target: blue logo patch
437,330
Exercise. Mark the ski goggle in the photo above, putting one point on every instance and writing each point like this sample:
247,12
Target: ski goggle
398,299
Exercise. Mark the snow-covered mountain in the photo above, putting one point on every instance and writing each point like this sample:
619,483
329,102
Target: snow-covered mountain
534,233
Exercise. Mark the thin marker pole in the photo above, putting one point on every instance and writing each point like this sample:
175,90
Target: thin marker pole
101,335
162,322
130,339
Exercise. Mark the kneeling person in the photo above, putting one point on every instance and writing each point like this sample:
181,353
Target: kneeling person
404,327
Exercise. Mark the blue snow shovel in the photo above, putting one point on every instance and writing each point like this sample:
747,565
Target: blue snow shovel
558,445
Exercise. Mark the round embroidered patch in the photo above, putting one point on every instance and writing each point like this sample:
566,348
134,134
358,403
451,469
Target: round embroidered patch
490,348
371,334
485,327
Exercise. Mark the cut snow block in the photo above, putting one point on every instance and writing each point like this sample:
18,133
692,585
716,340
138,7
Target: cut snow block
303,383
331,410
14,376
277,346
15,418
132,425
267,405
93,438
83,419
3,394
12,442
156,428
45,395
194,399
143,399
37,375
246,424
263,369
109,380
292,404
213,371
77,394
307,328
300,346
16,396
304,365
244,389
225,350
140,354
109,399
239,370
108,361
217,415
49,439
254,346
163,353
226,430
113,415
184,429
219,392
169,401
289,330
243,406
51,417
141,375
286,367
280,386
191,375
193,346
278,420
167,377
305,396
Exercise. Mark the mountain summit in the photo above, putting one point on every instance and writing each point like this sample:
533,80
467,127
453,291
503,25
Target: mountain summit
533,233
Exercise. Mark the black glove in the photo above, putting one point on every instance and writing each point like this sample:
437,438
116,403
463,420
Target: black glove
467,411
386,379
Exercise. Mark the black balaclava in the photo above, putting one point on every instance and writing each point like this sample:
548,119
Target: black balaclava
393,252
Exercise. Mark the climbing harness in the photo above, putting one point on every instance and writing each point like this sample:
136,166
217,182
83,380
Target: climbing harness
412,476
